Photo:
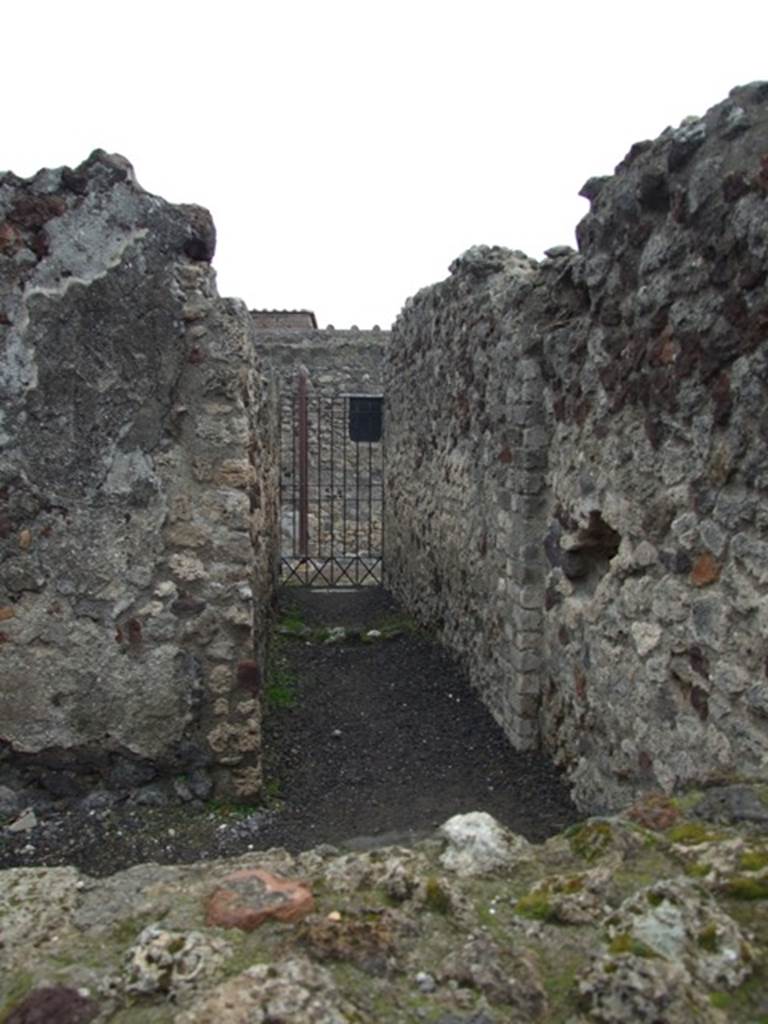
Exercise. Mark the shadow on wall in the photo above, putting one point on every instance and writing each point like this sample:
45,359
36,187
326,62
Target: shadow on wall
583,553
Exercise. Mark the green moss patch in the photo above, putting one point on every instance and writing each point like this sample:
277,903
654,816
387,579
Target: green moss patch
291,624
754,860
436,898
708,939
697,870
742,887
691,833
627,943
281,683
537,906
746,1003
591,840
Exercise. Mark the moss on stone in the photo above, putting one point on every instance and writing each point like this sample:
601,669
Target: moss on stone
741,887
683,802
643,869
747,1002
625,942
696,870
536,905
590,840
691,833
754,860
247,953
436,898
721,1000
708,939
126,931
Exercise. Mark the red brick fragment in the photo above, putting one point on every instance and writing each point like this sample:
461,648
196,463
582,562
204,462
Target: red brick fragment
706,570
251,896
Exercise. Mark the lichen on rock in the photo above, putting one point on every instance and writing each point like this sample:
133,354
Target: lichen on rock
396,936
476,844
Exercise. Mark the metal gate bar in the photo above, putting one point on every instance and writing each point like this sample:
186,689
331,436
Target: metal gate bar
332,489
303,439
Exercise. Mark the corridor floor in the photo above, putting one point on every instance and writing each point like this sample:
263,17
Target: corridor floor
386,738
366,743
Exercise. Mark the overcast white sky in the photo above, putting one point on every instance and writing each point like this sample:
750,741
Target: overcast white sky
349,151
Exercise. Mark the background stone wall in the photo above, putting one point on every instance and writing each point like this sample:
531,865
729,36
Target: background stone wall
283,319
576,469
336,361
137,489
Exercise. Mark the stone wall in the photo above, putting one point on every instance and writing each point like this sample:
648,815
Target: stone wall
283,319
137,490
456,477
336,361
576,471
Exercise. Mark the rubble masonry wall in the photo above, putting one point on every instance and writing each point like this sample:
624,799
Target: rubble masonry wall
576,472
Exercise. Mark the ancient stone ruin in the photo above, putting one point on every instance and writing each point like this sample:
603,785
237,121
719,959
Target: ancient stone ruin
137,491
336,361
575,477
576,471
576,499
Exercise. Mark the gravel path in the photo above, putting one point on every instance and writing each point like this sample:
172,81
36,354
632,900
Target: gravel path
367,742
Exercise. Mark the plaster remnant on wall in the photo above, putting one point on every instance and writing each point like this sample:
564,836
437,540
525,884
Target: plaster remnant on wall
121,373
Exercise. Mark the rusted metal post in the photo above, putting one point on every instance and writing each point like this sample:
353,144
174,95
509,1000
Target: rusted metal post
303,443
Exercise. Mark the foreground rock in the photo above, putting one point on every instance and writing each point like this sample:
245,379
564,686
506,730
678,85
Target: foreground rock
656,915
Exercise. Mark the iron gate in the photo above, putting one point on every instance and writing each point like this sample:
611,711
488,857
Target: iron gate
331,488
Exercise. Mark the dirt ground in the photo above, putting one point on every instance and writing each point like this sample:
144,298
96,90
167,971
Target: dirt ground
368,739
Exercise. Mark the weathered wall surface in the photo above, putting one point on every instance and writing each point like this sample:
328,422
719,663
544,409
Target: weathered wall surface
579,450
336,361
137,487
462,459
283,319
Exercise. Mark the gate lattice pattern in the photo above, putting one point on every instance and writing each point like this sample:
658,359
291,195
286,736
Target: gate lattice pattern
332,493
